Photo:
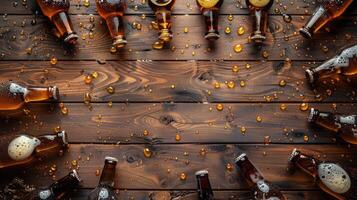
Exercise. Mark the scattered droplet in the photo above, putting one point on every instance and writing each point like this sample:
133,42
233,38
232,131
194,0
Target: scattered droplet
185,30
88,79
177,137
110,90
183,176
240,30
243,130
282,107
158,45
306,138
147,153
227,30
235,69
231,84
282,83
219,107
266,140
287,18
229,167
146,133
203,152
242,83
53,61
238,48
259,118
217,85
86,3
304,106
230,17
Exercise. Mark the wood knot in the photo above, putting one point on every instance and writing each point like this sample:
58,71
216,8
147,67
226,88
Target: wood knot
206,76
166,119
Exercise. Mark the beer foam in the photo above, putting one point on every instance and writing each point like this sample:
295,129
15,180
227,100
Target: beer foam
334,177
22,147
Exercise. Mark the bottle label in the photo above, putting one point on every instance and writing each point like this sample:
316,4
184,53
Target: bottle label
208,3
263,186
44,194
334,177
259,3
22,147
161,2
347,119
103,193
17,89
343,60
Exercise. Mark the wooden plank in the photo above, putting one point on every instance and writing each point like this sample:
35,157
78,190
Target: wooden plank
284,42
193,81
195,123
135,171
186,7
191,195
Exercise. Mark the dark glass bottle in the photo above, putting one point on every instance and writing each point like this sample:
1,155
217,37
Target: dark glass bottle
23,150
105,188
56,11
261,188
204,187
210,11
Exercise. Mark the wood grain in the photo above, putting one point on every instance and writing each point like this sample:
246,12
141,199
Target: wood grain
195,123
134,171
283,42
193,81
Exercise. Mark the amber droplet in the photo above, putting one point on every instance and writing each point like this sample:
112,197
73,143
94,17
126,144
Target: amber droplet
110,104
146,133
88,79
242,83
183,176
158,45
231,84
86,3
57,129
177,137
265,54
74,163
227,30
243,130
240,30
217,85
266,140
238,48
282,107
53,61
282,83
203,152
97,172
113,49
173,86
110,90
64,110
259,118
219,107
230,17
235,69
229,167
306,138
87,98
95,74
304,106
147,153
185,30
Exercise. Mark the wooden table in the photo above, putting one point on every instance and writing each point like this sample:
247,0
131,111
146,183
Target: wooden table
170,92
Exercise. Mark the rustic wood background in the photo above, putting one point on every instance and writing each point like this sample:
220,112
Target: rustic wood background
145,100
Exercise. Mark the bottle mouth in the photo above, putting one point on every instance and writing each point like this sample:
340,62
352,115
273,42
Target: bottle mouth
111,159
165,35
241,157
55,92
63,135
75,175
201,172
305,33
309,74
71,38
311,115
119,42
294,153
212,36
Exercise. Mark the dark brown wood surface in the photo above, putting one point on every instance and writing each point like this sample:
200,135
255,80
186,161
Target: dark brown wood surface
171,91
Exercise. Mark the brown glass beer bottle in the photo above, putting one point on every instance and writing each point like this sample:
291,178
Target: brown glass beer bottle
162,9
343,125
210,11
58,190
344,64
203,186
112,11
13,96
327,11
330,177
56,11
261,188
22,150
259,9
105,188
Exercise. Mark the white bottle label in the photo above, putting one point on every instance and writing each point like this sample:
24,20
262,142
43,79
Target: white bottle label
22,147
17,89
334,177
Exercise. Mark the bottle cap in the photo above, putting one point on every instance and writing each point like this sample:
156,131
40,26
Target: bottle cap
312,114
294,153
305,33
71,38
212,36
111,159
54,92
310,76
165,35
74,173
63,135
119,42
201,172
241,157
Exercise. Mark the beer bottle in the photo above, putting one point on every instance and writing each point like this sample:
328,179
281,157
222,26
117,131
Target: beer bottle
345,64
23,150
56,11
162,9
210,11
330,177
112,12
58,190
13,95
259,9
204,187
261,188
343,125
105,188
327,11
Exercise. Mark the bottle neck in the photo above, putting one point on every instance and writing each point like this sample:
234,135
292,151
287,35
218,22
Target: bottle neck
108,173
326,120
260,25
211,20
64,27
163,18
33,93
318,20
204,186
306,163
51,144
116,28
250,173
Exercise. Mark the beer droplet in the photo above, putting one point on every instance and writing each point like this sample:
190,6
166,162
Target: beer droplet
306,138
173,86
282,83
95,74
64,110
53,61
231,84
304,106
235,69
242,83
88,79
266,140
243,130
203,152
177,137
259,118
238,48
229,167
97,172
219,107
287,18
227,30
240,30
87,98
265,54
110,90
113,49
185,30
158,45
146,133
74,163
110,104
230,17
147,153
86,3
183,176
217,85
282,107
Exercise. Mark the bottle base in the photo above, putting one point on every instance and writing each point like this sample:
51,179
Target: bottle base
71,39
119,43
212,36
305,33
258,38
309,74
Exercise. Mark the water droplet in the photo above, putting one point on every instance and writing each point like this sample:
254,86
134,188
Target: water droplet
203,152
110,90
229,167
158,45
87,98
146,133
282,83
259,118
217,85
282,107
243,130
265,54
266,140
219,107
231,84
227,30
97,172
183,176
177,137
95,74
88,79
147,153
235,69
185,30
238,48
86,3
74,163
242,83
113,49
287,18
230,17
306,138
240,30
304,106
53,61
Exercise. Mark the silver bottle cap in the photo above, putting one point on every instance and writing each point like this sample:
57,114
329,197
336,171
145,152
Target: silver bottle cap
201,172
111,159
241,157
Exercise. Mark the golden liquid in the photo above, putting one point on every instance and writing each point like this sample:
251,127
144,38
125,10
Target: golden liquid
207,3
259,3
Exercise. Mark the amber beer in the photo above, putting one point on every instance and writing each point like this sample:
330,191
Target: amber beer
330,177
13,95
22,150
261,188
105,188
162,9
203,185
56,11
326,12
112,12
210,11
344,64
259,9
343,125
58,190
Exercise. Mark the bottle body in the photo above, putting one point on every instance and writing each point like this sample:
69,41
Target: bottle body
330,177
326,12
204,187
56,11
210,11
112,12
13,96
58,190
162,9
343,64
22,150
344,125
261,188
105,188
259,10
